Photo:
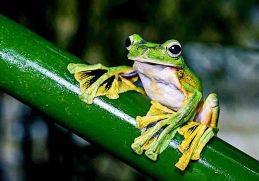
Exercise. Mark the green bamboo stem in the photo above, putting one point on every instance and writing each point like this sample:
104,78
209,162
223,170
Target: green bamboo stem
35,72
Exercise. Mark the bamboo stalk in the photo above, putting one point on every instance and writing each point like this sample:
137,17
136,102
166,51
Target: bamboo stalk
35,71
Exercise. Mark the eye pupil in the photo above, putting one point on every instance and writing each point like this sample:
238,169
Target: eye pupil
175,49
127,42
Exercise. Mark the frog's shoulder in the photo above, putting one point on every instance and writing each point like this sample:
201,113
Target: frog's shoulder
191,78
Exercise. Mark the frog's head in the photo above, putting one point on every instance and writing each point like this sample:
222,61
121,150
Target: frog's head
168,53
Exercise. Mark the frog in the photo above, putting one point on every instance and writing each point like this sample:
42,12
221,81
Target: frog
175,91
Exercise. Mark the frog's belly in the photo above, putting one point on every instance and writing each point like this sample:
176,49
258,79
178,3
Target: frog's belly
161,84
163,92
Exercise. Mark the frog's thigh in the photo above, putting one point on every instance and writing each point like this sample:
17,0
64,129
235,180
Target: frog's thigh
209,112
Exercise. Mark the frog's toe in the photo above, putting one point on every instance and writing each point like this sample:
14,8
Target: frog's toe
87,98
151,155
137,148
183,162
206,137
196,156
148,145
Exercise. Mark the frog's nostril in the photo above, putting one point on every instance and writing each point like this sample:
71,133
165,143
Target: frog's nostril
142,42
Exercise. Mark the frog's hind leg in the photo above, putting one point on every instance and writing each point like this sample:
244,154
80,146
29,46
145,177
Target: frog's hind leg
156,114
197,133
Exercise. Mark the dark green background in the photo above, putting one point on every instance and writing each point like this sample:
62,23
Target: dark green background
95,31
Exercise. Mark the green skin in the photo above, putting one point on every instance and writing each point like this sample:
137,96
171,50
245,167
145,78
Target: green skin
173,72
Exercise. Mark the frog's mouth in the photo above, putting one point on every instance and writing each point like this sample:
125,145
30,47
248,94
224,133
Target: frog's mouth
153,62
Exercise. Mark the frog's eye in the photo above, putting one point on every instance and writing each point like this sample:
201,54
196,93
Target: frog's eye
174,49
129,42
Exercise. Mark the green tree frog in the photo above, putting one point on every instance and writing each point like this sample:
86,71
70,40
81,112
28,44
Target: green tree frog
175,93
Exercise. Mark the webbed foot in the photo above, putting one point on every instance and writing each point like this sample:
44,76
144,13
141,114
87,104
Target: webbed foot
152,126
98,80
197,134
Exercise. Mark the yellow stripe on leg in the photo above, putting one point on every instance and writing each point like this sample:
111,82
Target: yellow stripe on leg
185,130
186,142
144,121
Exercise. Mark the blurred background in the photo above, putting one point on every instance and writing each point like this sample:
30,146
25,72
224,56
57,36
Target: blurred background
221,44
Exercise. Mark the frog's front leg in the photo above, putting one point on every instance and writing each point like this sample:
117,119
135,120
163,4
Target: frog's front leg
98,80
198,133
156,113
156,138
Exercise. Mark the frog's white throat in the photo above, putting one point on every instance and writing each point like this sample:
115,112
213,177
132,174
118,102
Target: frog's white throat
161,83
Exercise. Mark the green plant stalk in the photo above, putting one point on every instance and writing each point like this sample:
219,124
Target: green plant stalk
35,72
